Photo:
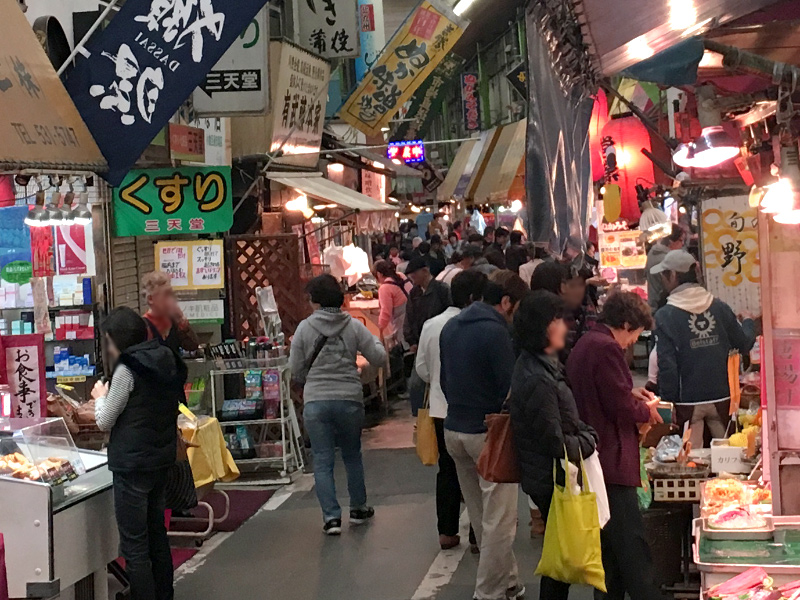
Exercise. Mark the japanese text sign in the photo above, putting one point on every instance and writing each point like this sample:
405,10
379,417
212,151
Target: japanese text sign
622,249
203,311
192,265
471,101
187,143
730,252
174,201
786,361
406,152
299,104
239,82
145,64
329,27
38,123
426,101
23,356
421,43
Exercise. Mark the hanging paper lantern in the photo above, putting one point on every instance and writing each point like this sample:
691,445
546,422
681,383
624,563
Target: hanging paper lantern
596,124
625,165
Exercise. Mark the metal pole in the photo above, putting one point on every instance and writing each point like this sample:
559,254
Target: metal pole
79,46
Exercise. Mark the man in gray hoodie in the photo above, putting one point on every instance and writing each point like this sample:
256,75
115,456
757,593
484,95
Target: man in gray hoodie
323,357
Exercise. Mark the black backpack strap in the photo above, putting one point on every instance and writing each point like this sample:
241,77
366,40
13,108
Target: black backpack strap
318,346
402,286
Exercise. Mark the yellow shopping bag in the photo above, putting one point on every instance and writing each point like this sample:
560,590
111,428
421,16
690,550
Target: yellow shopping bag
427,447
571,551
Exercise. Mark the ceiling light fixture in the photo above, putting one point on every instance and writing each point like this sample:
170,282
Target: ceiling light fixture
712,148
38,215
462,7
82,214
779,197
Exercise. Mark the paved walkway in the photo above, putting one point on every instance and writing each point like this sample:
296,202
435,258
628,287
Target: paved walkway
282,554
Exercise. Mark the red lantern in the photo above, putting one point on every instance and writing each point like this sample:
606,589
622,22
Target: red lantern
625,165
596,124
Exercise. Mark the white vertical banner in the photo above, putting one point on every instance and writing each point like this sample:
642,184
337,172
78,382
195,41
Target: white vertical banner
329,28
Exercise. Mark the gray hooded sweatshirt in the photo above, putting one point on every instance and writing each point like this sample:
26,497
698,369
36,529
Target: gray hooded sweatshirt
334,374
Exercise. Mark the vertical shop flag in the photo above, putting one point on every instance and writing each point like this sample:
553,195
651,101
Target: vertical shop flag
421,43
145,64
426,101
471,101
239,83
371,35
23,357
329,28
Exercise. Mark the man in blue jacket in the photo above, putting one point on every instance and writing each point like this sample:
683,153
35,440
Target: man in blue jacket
695,334
477,361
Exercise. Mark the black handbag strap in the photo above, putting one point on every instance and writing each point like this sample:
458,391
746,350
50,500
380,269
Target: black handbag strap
321,341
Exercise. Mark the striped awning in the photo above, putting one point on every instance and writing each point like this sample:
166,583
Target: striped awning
502,166
445,191
316,186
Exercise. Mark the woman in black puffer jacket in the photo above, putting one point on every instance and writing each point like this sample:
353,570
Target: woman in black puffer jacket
544,416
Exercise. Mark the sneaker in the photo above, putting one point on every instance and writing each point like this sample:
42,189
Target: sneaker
333,527
515,593
361,515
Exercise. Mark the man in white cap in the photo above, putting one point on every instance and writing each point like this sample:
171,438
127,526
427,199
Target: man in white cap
695,333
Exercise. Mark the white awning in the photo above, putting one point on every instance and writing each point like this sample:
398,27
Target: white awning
316,186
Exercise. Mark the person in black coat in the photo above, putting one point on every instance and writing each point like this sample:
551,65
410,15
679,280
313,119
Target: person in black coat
544,416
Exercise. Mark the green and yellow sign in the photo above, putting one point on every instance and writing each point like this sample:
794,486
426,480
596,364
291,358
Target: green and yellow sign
174,201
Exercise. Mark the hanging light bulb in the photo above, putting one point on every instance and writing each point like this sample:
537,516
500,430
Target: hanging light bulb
38,215
516,205
69,217
779,197
300,204
82,214
712,148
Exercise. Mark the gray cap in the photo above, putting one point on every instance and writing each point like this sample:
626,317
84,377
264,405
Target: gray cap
679,261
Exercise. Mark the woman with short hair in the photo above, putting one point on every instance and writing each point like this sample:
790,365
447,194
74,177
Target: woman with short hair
544,416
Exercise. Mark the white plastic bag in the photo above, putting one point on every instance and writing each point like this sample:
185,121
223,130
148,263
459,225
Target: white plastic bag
597,484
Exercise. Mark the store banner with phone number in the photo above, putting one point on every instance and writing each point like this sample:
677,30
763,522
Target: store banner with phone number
173,201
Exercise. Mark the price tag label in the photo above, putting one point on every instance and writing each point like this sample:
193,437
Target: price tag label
71,379
72,335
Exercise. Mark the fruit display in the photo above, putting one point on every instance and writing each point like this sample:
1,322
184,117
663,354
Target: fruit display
52,470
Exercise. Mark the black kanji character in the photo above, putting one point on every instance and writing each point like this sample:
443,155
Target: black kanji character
401,72
417,55
318,41
287,100
382,77
295,104
329,7
25,78
340,41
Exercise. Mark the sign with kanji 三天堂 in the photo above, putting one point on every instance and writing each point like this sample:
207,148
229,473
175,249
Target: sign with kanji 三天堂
730,252
426,101
470,101
329,27
133,75
195,265
174,201
23,356
239,83
421,43
299,104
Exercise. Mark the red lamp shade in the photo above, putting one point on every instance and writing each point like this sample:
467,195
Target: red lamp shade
625,165
596,124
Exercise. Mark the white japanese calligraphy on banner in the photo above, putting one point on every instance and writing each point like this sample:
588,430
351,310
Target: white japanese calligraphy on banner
730,252
329,27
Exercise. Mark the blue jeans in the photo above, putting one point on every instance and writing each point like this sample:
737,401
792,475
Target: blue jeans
332,423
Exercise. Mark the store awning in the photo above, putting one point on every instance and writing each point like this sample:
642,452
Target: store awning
478,163
316,186
502,166
40,128
448,187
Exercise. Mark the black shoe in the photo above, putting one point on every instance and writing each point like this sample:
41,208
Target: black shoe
361,515
333,527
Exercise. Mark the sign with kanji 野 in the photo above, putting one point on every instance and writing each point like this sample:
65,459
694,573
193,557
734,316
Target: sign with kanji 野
195,265
134,74
427,100
329,27
174,201
39,125
23,358
421,43
470,101
239,83
731,262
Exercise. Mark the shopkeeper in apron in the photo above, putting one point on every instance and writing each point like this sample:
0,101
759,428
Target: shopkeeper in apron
164,319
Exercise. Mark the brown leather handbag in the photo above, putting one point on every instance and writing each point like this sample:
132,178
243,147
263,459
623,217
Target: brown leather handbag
498,461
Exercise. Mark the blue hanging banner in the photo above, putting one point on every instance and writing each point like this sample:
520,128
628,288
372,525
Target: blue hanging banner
135,75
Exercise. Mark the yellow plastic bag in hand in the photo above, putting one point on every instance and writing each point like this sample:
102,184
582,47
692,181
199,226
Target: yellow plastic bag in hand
427,446
571,551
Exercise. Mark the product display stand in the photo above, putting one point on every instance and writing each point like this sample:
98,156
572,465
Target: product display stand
279,435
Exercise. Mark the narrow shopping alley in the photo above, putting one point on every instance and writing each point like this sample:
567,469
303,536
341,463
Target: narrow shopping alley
282,553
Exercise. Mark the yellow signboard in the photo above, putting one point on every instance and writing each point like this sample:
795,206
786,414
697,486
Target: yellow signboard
424,39
622,249
195,265
39,124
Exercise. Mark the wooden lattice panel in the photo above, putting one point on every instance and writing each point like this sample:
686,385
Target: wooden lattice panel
257,261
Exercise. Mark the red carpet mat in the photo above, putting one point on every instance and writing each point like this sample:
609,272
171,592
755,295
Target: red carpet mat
244,504
179,556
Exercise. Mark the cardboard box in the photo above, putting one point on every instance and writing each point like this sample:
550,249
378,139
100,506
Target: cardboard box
728,459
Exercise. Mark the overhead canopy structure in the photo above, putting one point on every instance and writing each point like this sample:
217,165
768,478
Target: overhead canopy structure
316,186
448,187
502,166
